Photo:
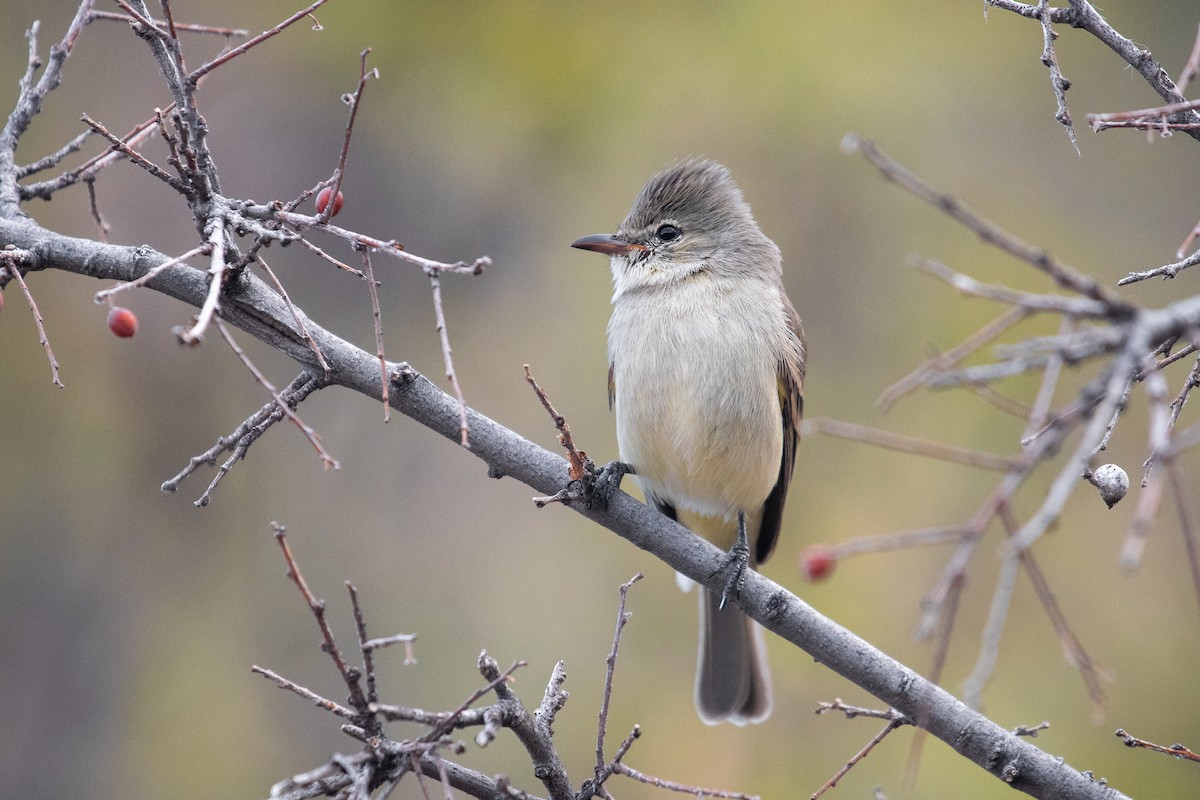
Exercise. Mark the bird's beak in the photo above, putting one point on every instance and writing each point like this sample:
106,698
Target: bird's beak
607,243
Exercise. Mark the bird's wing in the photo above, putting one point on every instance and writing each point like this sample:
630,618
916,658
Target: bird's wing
790,373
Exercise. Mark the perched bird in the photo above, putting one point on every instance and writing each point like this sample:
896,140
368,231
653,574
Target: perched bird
706,375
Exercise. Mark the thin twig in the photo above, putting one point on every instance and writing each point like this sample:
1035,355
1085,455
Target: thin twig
892,725
354,101
578,463
435,285
217,270
1058,81
52,160
944,361
239,441
182,26
1028,301
327,461
137,158
11,257
902,540
377,319
1176,750
105,295
295,312
990,233
1187,526
1073,648
392,248
307,694
322,254
90,168
1166,271
101,226
360,627
349,675
906,444
622,768
203,70
989,646
1191,67
610,666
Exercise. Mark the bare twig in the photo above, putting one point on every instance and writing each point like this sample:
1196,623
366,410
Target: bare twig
326,257
11,258
990,233
1183,494
944,361
1058,81
349,675
580,470
1166,271
354,100
327,461
894,720
377,319
1026,301
391,248
1073,648
1176,750
295,312
89,169
101,226
989,646
52,160
308,694
906,444
622,768
1082,15
120,146
106,295
179,26
610,666
33,94
1191,67
203,70
242,437
903,540
435,285
1155,119
217,270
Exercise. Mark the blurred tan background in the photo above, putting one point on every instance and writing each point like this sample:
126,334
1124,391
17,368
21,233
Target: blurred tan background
129,619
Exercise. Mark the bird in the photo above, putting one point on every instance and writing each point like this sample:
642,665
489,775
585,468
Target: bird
706,369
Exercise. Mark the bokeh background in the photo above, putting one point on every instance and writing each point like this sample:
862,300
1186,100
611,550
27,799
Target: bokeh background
129,619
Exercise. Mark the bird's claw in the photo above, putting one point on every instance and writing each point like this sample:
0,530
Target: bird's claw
735,564
601,485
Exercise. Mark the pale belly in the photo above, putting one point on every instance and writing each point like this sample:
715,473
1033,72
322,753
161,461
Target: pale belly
704,442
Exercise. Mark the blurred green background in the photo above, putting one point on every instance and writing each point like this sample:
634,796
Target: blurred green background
129,618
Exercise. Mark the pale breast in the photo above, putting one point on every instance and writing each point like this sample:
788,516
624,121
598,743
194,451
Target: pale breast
696,399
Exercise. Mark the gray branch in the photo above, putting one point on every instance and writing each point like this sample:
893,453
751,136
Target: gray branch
253,307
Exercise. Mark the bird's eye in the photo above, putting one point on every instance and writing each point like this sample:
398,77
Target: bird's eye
668,233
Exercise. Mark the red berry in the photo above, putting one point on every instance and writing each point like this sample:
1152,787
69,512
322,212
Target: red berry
323,201
122,322
817,561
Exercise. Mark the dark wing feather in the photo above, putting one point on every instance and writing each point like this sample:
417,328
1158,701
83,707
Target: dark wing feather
791,404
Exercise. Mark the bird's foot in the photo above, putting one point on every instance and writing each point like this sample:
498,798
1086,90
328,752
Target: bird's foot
601,485
735,564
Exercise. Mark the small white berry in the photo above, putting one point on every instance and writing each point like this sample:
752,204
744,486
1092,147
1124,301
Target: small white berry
1112,481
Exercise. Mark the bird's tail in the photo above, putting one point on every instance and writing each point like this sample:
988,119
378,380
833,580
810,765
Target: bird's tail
732,680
